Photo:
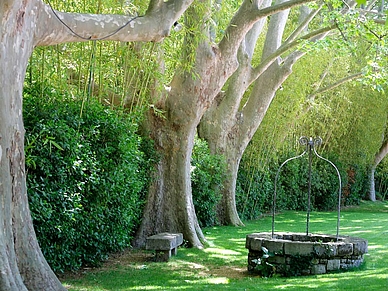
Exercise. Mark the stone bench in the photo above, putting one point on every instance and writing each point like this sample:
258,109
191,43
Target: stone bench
164,244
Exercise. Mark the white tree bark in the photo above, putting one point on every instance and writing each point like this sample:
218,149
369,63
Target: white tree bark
227,128
25,25
378,158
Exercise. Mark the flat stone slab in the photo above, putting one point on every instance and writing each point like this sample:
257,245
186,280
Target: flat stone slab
164,244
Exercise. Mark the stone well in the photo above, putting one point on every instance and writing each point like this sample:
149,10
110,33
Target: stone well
293,254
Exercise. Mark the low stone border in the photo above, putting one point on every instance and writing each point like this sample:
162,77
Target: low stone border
164,244
292,254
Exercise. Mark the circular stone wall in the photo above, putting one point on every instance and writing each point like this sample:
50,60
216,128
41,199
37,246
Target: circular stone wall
293,254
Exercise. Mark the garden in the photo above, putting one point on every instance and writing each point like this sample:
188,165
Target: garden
121,120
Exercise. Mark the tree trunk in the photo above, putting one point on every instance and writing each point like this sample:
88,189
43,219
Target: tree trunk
378,158
227,211
23,266
170,206
227,128
231,136
25,25
191,95
372,190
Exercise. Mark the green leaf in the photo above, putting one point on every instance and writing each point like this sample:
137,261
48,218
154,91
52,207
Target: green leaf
56,145
361,2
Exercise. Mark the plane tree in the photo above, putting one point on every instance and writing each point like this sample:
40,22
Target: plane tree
207,64
238,110
24,26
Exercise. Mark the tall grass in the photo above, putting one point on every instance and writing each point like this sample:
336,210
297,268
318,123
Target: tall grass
222,265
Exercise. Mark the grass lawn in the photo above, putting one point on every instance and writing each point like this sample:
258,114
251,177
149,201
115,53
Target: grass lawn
222,265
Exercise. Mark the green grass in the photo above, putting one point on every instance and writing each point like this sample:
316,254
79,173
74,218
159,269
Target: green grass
222,265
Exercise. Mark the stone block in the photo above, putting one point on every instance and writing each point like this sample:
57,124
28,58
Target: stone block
275,246
360,247
300,237
318,269
344,248
253,241
298,248
333,265
325,249
254,244
277,260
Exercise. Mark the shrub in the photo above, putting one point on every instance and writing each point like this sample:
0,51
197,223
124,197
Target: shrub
381,179
294,180
356,185
255,188
86,179
208,173
254,192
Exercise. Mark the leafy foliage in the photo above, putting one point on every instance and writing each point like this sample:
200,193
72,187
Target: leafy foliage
256,190
263,266
87,177
208,173
381,178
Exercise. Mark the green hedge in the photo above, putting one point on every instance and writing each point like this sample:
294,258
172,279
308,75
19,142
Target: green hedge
87,177
207,175
255,187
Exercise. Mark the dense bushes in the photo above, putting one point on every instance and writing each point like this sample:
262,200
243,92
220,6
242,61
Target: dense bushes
254,192
255,189
88,172
381,180
86,177
208,173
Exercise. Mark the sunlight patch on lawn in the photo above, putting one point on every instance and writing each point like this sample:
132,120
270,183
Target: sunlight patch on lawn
179,264
237,240
222,252
86,288
376,247
218,280
362,231
212,280
377,276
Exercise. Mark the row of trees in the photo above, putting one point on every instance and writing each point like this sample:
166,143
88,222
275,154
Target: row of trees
233,58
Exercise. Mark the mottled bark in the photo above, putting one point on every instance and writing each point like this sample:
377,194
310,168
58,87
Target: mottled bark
24,25
229,125
378,158
169,207
191,95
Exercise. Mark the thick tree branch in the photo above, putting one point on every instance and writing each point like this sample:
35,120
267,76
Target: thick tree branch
244,19
275,33
383,151
284,48
61,27
253,34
